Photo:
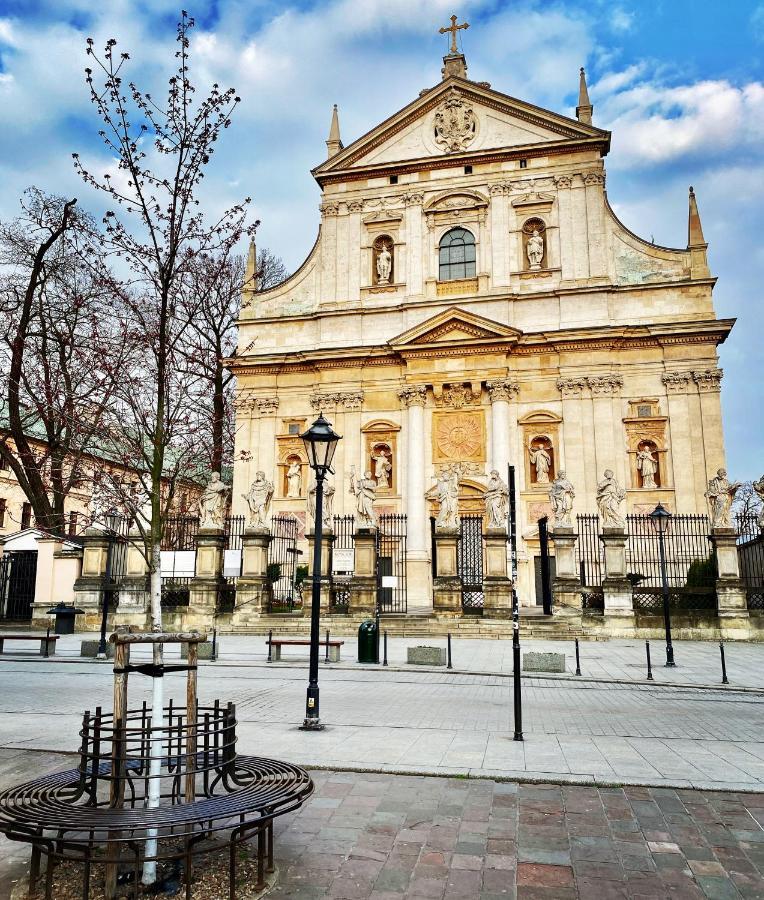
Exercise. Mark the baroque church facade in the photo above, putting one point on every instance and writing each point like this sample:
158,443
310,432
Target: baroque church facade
472,302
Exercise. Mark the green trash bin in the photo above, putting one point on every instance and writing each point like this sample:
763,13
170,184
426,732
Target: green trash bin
367,642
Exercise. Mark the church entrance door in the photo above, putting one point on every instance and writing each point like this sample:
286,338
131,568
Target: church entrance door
391,564
469,562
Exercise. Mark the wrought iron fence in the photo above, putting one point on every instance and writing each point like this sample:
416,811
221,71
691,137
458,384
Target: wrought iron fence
391,563
750,549
690,563
234,532
179,533
341,574
284,593
590,551
18,571
469,563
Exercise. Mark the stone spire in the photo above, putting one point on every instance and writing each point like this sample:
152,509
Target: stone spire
584,109
250,275
696,243
334,144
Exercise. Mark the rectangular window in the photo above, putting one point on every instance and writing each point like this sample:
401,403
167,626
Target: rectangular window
26,515
468,170
644,409
523,163
393,179
72,524
2,512
294,428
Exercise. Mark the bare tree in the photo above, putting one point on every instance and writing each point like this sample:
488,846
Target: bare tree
270,270
158,231
61,348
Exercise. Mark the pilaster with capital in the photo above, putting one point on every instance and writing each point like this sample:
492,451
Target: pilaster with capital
709,385
503,394
571,390
677,386
500,247
605,389
415,250
413,398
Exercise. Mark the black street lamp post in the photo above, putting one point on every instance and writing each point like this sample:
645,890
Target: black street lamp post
320,443
112,523
660,518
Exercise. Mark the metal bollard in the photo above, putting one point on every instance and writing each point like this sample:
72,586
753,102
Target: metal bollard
384,660
214,653
47,642
270,645
725,680
578,660
516,669
327,646
649,665
448,665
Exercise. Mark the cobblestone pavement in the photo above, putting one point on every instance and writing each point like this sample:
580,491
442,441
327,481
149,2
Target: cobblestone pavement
615,660
434,722
387,837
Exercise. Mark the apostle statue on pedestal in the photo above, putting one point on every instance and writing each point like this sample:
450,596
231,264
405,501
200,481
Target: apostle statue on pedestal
610,496
327,505
561,496
259,500
294,479
720,494
647,465
213,502
448,497
496,500
364,490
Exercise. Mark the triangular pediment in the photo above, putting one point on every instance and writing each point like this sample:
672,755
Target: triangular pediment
454,118
454,326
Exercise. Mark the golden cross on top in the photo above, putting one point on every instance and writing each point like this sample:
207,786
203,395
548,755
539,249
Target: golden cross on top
453,29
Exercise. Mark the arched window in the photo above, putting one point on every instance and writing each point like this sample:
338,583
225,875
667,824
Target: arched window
457,255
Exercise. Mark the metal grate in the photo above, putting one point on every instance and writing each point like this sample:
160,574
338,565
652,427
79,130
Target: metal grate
469,563
18,571
391,564
179,533
590,551
750,550
284,594
234,532
344,540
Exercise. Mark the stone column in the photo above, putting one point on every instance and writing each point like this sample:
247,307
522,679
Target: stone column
88,588
447,587
501,392
252,587
566,589
207,580
610,453
682,479
413,397
307,593
363,585
497,586
567,228
709,382
617,591
731,601
574,464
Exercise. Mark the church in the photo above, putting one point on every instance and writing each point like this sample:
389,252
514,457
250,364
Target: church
472,303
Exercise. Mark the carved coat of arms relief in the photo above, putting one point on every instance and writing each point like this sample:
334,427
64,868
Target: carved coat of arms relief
455,123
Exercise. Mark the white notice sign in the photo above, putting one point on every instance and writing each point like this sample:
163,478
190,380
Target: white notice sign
389,581
231,563
343,560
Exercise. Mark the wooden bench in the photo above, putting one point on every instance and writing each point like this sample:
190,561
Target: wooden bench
278,643
47,641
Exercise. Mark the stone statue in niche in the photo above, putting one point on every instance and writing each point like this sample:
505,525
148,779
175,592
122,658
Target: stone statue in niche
294,478
496,501
213,502
327,504
720,494
364,490
647,465
534,249
259,500
610,496
383,467
561,496
448,498
541,460
384,263
758,487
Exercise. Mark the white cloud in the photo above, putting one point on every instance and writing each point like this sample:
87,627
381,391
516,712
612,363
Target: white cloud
757,22
621,21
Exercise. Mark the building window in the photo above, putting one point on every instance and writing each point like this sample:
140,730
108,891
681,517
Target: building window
393,179
2,512
294,428
523,163
457,255
468,170
72,524
26,515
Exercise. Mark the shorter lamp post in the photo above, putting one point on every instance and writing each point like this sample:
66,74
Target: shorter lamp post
112,523
660,518
320,443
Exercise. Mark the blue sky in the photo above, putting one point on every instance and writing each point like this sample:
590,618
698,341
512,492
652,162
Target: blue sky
680,83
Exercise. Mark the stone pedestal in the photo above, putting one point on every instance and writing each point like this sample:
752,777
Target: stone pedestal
252,586
566,588
497,586
731,601
447,587
134,590
88,588
307,591
617,590
207,580
363,586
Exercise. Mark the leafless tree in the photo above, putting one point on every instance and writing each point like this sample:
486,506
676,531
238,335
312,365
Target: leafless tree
61,348
156,228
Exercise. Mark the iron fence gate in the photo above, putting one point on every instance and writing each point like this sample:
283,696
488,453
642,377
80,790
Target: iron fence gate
590,554
178,534
750,550
545,565
391,564
18,570
284,595
469,563
233,528
690,563
341,563
116,562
